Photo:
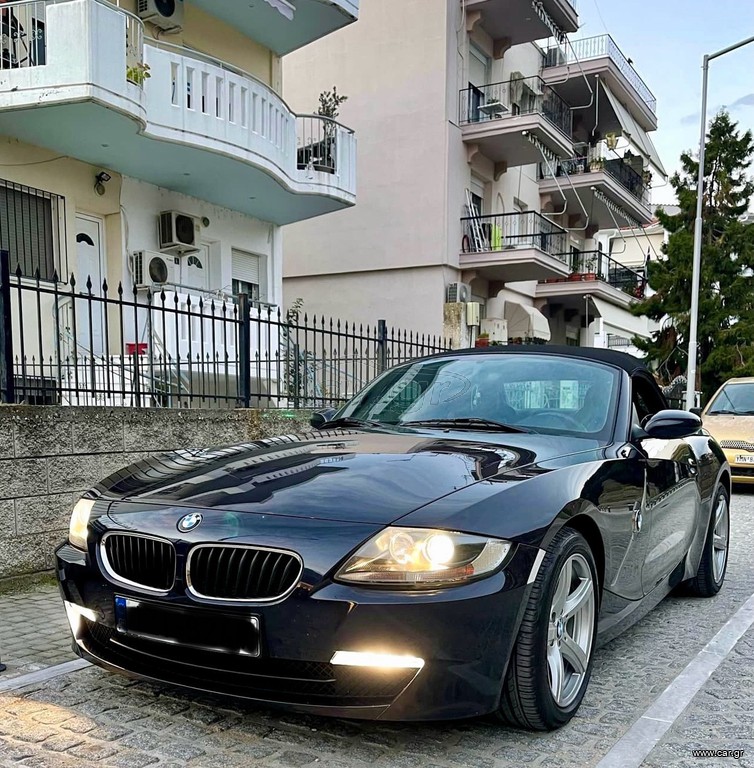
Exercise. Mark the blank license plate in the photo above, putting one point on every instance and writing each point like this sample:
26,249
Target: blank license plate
744,458
203,629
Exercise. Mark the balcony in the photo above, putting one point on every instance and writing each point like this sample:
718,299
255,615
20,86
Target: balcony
513,247
281,25
613,190
167,115
511,22
507,121
598,274
599,58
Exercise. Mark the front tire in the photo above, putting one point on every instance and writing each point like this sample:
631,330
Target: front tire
710,575
551,663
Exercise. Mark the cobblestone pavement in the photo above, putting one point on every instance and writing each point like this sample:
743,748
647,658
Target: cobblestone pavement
92,718
33,631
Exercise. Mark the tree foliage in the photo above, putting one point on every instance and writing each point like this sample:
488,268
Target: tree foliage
726,297
329,103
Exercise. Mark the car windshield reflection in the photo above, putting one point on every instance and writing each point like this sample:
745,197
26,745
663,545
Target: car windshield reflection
733,399
515,393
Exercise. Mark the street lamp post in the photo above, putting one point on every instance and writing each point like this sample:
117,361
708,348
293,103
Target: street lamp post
697,267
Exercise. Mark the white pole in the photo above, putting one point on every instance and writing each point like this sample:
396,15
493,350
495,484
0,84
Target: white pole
697,264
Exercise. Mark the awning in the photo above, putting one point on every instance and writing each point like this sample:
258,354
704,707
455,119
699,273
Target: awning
526,322
620,318
634,132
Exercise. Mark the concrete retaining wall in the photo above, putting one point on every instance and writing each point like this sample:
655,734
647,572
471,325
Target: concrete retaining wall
49,456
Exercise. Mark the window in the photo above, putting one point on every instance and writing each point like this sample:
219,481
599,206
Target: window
30,229
247,275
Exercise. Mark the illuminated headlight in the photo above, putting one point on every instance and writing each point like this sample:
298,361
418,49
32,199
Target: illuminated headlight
77,532
375,660
423,557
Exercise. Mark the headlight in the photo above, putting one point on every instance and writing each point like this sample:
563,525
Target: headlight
423,557
77,532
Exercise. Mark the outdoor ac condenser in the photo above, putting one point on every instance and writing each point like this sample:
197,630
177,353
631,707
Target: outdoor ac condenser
165,14
457,293
179,233
152,269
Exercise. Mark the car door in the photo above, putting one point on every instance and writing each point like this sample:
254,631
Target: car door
672,502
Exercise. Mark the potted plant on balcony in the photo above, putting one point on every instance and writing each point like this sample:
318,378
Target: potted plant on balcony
482,340
138,73
591,262
596,164
647,177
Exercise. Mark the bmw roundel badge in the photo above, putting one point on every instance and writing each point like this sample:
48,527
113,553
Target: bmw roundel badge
189,522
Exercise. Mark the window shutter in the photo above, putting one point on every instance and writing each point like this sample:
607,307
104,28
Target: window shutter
246,267
26,231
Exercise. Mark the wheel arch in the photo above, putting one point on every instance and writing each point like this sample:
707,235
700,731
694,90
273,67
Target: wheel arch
589,529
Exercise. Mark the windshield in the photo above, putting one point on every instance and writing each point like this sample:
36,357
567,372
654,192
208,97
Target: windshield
737,399
537,393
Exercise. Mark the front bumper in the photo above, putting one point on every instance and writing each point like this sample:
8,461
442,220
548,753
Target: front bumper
740,472
464,635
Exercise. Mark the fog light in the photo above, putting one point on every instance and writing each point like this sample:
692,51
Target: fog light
75,613
378,660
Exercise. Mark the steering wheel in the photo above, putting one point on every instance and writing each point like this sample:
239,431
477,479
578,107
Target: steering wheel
544,419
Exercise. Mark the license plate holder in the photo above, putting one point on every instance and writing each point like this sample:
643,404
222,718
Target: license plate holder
198,628
745,458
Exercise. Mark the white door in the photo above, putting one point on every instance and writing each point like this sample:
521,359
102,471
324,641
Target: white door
90,315
195,271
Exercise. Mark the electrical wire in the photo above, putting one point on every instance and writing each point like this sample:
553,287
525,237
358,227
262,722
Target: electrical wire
36,162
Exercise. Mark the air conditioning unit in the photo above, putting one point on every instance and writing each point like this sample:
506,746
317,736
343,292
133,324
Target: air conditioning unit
165,14
556,57
152,269
457,293
178,233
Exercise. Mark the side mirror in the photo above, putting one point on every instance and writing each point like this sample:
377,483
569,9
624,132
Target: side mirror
671,425
320,418
696,411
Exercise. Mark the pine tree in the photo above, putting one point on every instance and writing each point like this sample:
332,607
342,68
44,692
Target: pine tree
726,297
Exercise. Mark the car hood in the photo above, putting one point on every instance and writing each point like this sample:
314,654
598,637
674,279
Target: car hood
359,476
729,427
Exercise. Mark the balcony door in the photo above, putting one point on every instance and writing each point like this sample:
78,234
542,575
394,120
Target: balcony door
479,72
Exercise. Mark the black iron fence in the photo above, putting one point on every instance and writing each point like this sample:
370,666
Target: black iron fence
518,96
88,344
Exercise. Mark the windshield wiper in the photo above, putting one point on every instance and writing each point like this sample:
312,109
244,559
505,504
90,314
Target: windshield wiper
465,423
348,421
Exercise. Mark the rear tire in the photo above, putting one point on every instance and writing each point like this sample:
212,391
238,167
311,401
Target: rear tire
710,575
550,666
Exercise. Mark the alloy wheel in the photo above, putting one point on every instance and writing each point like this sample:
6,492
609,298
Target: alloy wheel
570,630
720,538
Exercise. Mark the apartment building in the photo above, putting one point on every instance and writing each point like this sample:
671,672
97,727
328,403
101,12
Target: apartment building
494,147
146,144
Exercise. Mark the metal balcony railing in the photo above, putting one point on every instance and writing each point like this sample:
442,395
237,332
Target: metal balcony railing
506,231
518,96
629,178
596,48
597,265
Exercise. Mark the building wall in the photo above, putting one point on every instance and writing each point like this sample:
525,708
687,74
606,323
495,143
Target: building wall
226,230
50,456
396,92
207,34
410,298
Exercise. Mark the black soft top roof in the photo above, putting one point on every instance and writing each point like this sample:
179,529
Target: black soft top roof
627,362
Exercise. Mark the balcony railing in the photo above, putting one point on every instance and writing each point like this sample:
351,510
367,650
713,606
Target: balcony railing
597,265
24,31
507,231
630,179
596,48
519,96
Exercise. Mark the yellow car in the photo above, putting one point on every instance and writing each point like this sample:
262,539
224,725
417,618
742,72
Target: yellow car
729,417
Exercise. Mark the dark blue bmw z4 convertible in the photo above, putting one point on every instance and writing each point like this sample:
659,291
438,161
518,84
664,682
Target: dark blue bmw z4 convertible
455,541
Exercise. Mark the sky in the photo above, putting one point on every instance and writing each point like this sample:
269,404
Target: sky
666,40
